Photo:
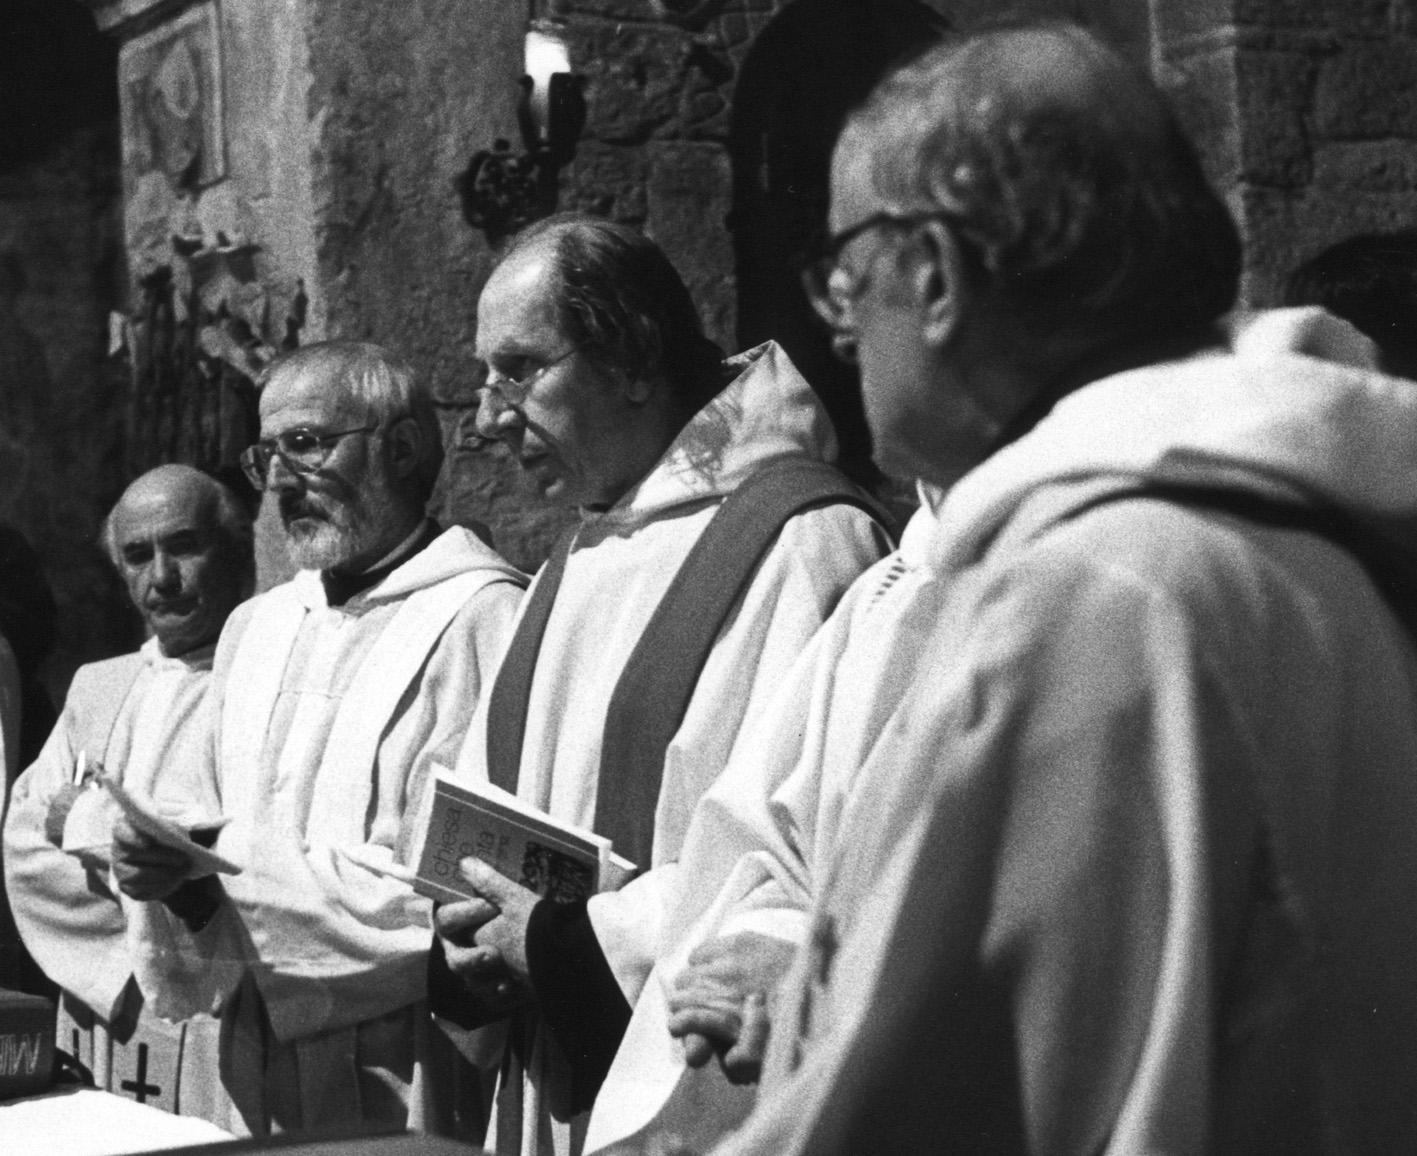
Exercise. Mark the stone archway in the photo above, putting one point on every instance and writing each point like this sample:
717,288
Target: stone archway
808,68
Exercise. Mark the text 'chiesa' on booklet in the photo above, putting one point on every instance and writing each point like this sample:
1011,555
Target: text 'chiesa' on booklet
554,859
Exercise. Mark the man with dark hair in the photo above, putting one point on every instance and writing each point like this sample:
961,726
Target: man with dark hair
1371,282
332,695
714,538
1099,792
182,544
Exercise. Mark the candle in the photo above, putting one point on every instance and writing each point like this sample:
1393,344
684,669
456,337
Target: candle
546,55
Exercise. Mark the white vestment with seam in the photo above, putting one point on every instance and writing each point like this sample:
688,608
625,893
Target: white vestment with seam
326,720
1108,848
618,570
135,717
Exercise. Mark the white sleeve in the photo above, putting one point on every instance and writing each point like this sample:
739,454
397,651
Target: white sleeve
815,559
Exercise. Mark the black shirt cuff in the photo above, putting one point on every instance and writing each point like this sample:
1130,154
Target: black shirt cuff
196,901
579,997
451,999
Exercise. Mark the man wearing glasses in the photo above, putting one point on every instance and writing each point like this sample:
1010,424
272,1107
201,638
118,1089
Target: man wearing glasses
1111,847
332,695
602,385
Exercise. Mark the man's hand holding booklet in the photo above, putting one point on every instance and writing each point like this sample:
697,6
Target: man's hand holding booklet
553,859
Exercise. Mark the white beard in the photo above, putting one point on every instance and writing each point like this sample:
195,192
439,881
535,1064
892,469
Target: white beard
346,530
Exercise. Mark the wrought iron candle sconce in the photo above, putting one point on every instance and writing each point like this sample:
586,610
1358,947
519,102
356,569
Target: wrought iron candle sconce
502,190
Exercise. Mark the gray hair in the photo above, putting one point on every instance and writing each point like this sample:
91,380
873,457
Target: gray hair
381,380
233,521
1072,190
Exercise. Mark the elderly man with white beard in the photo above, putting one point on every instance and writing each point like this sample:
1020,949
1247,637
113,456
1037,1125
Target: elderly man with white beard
332,696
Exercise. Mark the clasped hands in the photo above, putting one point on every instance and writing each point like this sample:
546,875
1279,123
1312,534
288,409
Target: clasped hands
484,939
719,1003
718,1006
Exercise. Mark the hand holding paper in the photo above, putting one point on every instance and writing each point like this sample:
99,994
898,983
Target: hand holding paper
84,818
152,855
194,841
146,868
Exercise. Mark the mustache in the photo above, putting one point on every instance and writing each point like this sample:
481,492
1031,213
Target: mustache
296,506
181,604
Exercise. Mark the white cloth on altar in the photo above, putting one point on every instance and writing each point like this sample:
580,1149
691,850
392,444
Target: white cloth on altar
91,1122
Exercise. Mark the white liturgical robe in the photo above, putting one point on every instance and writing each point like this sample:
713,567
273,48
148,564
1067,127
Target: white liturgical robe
1103,805
327,720
618,570
133,717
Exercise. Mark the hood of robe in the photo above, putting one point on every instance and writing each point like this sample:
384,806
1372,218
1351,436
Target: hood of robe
199,658
457,550
766,411
1294,410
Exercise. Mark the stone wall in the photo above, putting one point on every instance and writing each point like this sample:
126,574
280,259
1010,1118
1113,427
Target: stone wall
61,271
1306,111
400,101
263,193
654,151
347,124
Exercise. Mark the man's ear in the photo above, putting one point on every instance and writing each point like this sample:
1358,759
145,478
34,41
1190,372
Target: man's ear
405,446
940,283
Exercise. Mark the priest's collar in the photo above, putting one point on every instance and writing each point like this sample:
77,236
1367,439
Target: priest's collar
340,588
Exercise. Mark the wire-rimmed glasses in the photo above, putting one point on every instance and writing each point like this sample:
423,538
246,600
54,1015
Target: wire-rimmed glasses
303,451
512,392
830,286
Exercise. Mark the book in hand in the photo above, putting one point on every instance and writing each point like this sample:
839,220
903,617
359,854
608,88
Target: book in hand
554,859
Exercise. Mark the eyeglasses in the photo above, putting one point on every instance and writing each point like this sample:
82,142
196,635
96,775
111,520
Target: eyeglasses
513,391
303,451
824,263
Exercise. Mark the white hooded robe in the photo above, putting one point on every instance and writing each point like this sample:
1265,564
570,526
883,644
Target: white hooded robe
621,563
326,720
1111,847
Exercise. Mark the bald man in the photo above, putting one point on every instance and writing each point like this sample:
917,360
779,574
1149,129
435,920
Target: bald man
182,544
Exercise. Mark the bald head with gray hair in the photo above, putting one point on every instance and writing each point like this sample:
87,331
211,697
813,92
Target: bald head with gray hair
1076,197
181,541
226,512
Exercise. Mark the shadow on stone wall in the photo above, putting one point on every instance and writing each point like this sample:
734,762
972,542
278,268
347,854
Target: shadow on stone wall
805,72
61,268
